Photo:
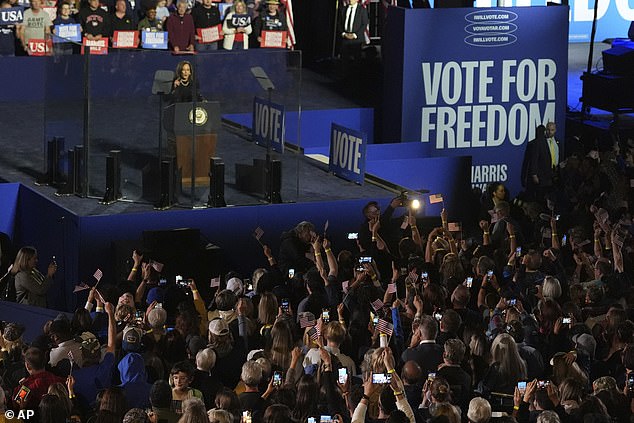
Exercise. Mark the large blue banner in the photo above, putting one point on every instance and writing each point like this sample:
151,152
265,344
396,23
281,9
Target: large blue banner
268,124
479,84
613,17
347,153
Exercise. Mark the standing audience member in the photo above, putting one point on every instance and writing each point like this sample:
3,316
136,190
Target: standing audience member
206,15
96,23
237,27
31,286
36,25
180,29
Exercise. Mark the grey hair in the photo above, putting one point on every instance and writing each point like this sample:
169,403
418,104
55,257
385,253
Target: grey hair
479,410
206,359
251,373
548,416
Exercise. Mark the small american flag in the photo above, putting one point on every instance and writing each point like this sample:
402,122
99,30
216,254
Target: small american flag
98,274
344,286
383,326
326,226
391,288
156,266
306,319
82,286
413,276
377,304
435,198
313,334
215,282
258,232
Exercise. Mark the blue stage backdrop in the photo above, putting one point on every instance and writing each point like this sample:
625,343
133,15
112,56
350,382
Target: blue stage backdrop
477,83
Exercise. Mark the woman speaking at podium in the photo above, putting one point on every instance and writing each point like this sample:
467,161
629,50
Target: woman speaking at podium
185,84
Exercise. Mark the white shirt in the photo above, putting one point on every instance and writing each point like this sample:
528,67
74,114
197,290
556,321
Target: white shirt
350,14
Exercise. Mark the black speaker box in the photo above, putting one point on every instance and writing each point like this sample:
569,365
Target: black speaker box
619,60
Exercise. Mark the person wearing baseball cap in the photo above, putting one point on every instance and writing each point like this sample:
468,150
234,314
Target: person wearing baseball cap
230,353
271,20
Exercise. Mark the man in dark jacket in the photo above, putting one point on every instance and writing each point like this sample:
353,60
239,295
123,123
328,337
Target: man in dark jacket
293,248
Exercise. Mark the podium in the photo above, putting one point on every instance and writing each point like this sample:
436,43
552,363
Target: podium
200,124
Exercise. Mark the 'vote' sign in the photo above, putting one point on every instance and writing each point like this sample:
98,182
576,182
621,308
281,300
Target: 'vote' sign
347,153
268,124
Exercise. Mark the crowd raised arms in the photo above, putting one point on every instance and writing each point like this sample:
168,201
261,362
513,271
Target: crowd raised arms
180,26
524,310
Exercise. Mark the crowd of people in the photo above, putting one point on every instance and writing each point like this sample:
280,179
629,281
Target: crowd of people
189,25
527,318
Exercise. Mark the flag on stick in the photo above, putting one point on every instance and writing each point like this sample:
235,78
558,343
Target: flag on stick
82,286
377,304
383,326
156,266
306,319
98,275
435,198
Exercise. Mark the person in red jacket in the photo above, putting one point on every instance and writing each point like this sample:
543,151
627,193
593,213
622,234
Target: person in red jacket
29,392
180,29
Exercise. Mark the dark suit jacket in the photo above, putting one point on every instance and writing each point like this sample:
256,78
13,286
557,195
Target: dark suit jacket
538,162
428,356
359,23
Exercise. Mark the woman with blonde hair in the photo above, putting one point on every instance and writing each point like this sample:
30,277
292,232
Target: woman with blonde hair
551,288
507,367
237,27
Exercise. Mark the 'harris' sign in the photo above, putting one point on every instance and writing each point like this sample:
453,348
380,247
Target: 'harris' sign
347,153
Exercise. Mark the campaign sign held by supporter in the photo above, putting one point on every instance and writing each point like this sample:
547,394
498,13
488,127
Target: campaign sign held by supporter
347,153
98,47
39,47
268,124
11,16
154,40
240,21
497,75
125,39
273,39
65,33
210,35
